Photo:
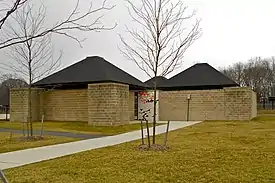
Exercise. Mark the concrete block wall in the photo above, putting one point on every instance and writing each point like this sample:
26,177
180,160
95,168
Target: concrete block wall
19,104
65,105
131,105
36,103
108,104
225,104
113,104
238,104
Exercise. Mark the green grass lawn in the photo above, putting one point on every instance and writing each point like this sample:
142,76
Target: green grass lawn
77,127
263,118
8,144
266,111
207,152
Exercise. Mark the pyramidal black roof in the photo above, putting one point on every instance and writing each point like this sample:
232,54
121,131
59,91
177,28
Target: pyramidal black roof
160,80
90,70
200,75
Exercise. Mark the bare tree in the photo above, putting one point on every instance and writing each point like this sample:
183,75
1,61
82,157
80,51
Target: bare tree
8,8
33,59
159,46
12,81
235,72
271,77
257,73
74,21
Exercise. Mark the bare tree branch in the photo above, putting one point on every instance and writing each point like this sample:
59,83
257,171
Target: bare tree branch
73,22
10,10
160,45
34,56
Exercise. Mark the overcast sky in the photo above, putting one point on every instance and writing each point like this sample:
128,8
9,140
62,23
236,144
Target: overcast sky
233,30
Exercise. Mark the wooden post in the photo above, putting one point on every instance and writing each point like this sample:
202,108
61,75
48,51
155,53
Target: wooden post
188,103
142,135
148,134
166,134
11,135
2,177
188,106
42,125
23,128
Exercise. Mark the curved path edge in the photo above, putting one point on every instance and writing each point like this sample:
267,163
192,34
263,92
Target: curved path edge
34,155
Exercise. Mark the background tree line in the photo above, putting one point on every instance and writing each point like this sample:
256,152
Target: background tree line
257,73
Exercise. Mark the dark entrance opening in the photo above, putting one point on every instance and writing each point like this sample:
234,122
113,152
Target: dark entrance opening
272,100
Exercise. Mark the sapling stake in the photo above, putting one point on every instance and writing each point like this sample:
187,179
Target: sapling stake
23,129
2,177
42,125
10,136
142,135
166,134
148,134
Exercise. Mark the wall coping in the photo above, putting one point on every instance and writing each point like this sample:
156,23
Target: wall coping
212,90
239,88
109,83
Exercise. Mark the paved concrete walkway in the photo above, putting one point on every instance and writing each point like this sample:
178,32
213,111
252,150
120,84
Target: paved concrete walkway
53,133
28,156
3,116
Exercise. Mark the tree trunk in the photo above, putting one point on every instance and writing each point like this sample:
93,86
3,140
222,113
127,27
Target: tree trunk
155,112
30,110
142,135
30,101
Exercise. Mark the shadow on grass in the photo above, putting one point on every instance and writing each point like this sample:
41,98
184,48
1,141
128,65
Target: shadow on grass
259,118
263,117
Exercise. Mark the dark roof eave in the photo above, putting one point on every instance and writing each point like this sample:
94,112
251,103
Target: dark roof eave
86,82
202,87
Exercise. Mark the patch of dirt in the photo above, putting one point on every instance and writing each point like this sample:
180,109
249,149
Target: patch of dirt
153,147
143,147
28,139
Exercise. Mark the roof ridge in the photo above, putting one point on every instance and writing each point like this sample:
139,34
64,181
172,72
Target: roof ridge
221,73
120,69
185,70
101,59
95,56
202,63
